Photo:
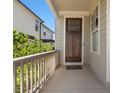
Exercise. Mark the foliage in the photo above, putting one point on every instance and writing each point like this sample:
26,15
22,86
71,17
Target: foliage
22,46
46,47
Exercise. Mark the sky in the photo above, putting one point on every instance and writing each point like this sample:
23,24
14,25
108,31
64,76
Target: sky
41,8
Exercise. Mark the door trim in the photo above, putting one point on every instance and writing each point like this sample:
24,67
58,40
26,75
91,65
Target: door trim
82,54
73,37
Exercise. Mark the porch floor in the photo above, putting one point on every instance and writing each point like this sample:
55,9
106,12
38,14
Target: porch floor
74,81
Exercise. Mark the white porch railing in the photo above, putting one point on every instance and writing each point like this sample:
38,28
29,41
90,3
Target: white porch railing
31,72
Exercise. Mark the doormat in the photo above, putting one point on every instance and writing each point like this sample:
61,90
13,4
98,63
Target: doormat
73,67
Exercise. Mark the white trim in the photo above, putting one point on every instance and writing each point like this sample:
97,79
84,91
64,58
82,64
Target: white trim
64,40
33,55
52,7
108,42
91,32
75,15
94,5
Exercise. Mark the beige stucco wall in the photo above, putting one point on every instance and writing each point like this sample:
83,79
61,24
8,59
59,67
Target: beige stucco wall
23,20
98,61
59,35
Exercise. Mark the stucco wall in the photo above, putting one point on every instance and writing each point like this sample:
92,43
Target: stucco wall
98,61
59,43
23,20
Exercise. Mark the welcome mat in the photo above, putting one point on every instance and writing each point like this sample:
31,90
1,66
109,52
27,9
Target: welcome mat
73,67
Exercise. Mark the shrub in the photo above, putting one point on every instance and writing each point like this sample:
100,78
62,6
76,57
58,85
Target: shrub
22,46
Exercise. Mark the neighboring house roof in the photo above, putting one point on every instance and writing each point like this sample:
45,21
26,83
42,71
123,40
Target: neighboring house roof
48,28
35,15
30,11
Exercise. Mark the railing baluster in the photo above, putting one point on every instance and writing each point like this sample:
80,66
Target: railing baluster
44,69
22,78
27,81
31,78
38,71
14,77
41,68
41,71
35,75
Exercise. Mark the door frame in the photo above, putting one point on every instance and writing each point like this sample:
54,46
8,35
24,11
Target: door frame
82,53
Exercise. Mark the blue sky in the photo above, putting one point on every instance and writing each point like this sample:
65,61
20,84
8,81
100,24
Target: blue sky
41,8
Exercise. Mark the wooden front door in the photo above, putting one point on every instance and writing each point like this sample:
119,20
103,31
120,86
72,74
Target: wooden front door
73,39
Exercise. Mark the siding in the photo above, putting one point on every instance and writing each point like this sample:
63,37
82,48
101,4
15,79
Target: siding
23,20
59,43
86,39
49,34
98,61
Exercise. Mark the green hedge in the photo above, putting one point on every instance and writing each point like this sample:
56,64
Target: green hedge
22,46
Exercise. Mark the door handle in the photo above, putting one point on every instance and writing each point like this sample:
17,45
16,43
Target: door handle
83,44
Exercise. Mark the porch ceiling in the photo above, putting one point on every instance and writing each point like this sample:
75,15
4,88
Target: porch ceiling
71,5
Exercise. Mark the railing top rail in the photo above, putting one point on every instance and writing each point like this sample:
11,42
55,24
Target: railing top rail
35,55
